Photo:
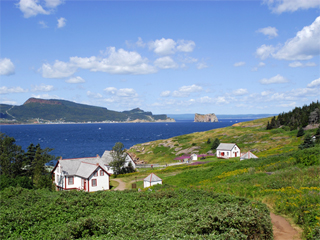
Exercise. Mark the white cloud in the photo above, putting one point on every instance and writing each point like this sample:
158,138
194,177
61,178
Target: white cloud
239,64
117,62
43,24
42,88
276,79
185,91
291,105
61,22
140,43
58,70
169,46
165,94
310,64
240,91
46,96
265,93
75,80
305,45
8,101
93,95
265,51
5,90
271,32
299,64
123,92
53,3
31,8
165,63
261,64
185,45
314,83
6,67
202,65
295,64
163,46
280,6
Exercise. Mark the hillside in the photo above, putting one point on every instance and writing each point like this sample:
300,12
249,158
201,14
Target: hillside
250,135
67,111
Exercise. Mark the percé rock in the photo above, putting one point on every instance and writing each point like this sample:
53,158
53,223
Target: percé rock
211,117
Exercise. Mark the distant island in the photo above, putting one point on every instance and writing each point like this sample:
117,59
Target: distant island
36,110
211,117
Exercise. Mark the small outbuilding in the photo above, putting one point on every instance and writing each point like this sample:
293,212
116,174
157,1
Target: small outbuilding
228,150
248,155
151,180
194,157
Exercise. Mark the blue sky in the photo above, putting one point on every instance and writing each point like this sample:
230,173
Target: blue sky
223,57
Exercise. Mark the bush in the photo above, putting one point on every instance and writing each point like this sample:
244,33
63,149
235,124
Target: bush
300,132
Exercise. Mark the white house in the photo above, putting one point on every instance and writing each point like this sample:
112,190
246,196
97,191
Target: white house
194,157
151,180
81,174
88,174
107,159
247,155
228,150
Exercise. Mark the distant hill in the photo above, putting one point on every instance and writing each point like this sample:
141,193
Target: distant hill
190,116
67,111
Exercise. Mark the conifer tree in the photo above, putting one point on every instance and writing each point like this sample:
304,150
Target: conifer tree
215,144
300,132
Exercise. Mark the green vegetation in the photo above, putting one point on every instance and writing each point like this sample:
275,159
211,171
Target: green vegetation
298,117
249,136
66,111
119,155
25,169
165,214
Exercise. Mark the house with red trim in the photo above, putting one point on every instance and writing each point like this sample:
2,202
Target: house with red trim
89,174
228,150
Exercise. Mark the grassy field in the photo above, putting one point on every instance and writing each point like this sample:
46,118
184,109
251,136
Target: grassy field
289,183
250,135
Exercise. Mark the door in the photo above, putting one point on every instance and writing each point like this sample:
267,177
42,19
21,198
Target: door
84,184
235,154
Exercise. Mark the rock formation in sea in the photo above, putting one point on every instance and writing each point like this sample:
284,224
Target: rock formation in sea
211,117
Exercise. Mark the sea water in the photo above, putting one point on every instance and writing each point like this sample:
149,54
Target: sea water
88,140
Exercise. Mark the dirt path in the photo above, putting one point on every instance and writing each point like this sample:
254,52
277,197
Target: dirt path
122,185
282,230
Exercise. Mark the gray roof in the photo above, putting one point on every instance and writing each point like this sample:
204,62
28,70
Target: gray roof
107,157
248,155
152,178
84,167
79,167
226,146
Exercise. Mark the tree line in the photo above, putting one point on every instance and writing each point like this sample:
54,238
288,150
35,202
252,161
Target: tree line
25,169
299,117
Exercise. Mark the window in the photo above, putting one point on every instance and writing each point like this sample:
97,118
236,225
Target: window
95,174
94,182
101,173
70,180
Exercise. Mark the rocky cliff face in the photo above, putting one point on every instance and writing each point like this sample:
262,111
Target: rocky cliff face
211,117
42,101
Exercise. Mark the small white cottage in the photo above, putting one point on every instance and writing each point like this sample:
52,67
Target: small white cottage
247,155
228,150
78,174
194,157
151,180
89,174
